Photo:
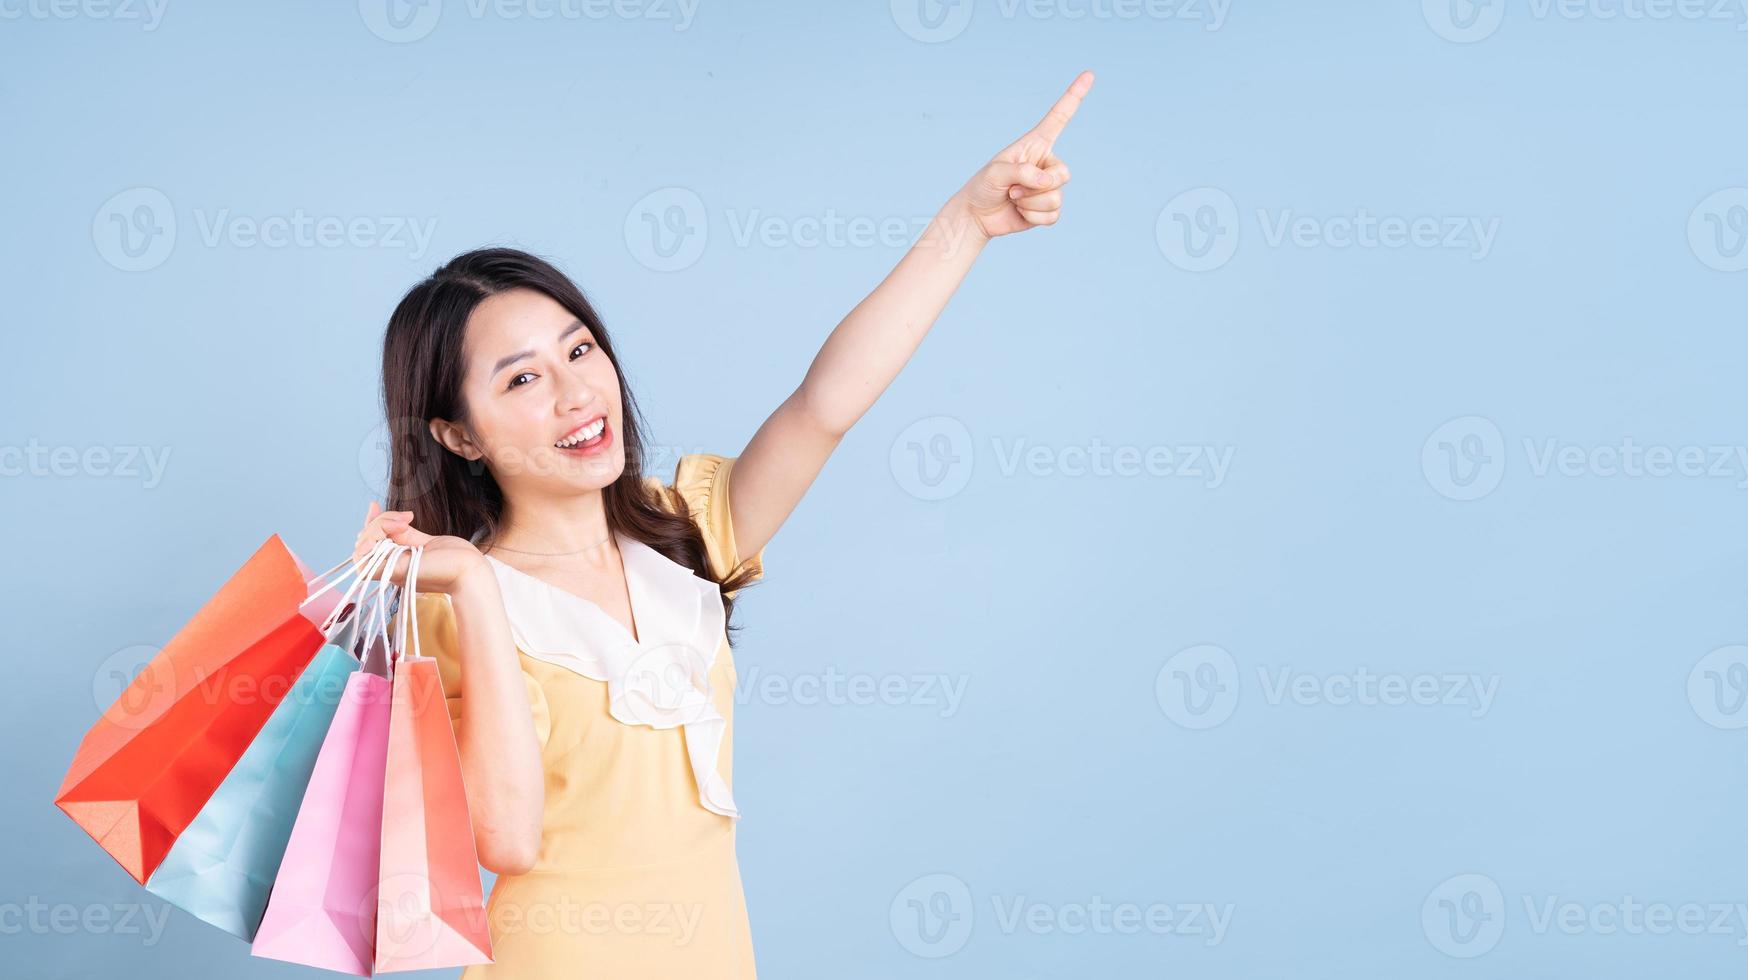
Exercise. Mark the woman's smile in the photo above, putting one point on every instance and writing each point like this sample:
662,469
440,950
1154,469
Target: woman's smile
589,439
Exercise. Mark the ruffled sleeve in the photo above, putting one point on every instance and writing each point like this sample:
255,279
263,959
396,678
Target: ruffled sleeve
437,640
702,481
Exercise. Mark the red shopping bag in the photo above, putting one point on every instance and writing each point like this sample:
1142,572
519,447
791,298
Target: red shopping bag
161,750
430,907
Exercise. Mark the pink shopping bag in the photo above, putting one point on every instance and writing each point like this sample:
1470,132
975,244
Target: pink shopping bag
322,910
430,908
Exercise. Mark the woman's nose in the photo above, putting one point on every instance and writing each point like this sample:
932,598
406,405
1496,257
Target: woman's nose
573,392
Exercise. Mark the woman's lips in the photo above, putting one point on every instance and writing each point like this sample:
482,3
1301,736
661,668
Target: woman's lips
593,447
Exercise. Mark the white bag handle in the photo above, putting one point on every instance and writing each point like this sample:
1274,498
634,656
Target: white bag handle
381,621
363,568
362,612
410,606
354,567
331,570
346,632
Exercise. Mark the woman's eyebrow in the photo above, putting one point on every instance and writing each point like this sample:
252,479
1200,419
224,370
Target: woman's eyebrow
513,358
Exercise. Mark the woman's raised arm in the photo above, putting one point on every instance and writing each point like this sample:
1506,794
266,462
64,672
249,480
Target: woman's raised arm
1020,188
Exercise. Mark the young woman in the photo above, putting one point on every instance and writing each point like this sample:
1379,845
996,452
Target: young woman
579,610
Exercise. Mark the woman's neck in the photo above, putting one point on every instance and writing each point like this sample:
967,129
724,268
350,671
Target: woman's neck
572,528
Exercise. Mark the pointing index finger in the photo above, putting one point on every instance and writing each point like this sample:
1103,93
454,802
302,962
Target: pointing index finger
1053,122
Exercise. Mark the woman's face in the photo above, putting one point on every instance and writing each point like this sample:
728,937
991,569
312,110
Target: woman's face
542,399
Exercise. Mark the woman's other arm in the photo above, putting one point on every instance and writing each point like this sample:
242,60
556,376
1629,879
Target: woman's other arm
1020,188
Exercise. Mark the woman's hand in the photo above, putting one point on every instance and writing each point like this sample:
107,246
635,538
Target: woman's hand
446,563
1022,187
495,737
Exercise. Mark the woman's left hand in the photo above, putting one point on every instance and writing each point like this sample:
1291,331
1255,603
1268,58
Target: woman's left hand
1022,187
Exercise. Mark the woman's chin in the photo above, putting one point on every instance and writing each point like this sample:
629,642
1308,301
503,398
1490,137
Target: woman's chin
592,472
573,470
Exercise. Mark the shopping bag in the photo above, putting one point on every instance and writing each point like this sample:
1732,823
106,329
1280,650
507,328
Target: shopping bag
322,909
430,906
146,768
222,867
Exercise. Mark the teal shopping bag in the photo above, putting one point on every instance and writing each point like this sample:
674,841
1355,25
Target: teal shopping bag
222,867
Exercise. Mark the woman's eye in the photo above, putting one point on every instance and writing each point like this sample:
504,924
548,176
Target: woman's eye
517,382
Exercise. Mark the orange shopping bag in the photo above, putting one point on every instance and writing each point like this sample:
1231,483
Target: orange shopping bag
430,908
161,750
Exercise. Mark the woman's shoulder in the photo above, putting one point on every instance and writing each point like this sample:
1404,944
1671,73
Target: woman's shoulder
699,489
696,477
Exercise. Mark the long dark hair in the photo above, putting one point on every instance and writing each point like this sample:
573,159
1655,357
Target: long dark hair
422,367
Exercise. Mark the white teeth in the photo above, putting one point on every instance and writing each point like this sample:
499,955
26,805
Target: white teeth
583,435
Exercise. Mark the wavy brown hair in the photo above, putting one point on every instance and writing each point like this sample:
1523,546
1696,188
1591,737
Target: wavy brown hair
422,368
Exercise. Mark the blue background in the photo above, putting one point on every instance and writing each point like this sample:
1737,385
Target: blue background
1090,759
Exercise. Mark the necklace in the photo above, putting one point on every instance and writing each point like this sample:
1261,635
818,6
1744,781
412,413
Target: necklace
550,554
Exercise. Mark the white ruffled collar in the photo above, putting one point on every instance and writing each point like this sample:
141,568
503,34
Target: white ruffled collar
660,678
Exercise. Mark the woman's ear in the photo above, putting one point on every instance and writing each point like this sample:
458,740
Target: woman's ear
454,437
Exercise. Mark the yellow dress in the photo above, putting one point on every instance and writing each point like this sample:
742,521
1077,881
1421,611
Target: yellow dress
637,875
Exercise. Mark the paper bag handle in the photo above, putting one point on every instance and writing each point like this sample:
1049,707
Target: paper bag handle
363,568
356,593
409,606
381,621
353,568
